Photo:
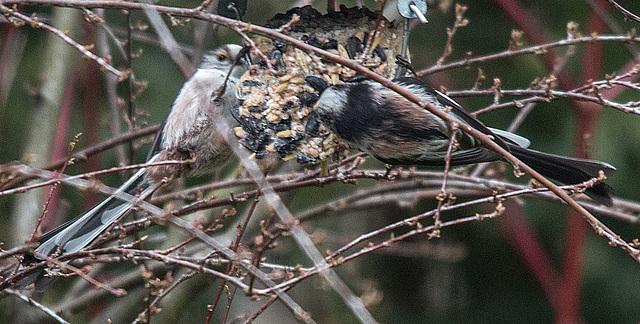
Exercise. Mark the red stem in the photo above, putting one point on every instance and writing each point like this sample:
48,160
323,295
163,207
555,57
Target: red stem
61,146
90,112
517,229
587,115
522,236
6,44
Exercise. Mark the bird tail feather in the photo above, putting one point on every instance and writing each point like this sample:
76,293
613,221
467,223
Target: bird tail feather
568,170
79,232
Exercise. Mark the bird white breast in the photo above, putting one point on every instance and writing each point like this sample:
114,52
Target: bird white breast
193,106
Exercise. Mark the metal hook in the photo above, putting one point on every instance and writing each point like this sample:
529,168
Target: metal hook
409,9
418,13
233,9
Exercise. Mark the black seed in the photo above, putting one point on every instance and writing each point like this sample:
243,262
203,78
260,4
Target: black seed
313,41
284,146
330,44
257,109
235,113
259,126
255,144
313,125
259,155
274,53
282,125
381,54
277,56
304,159
260,144
308,98
278,45
357,78
251,83
254,128
246,142
354,46
317,83
288,106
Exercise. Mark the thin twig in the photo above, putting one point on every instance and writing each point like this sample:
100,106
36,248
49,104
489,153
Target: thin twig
37,305
459,22
286,299
72,145
442,196
538,95
26,170
97,284
290,178
168,42
234,248
334,260
130,118
535,49
8,12
628,15
376,30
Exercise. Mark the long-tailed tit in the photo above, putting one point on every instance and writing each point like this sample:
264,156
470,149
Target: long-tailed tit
394,130
188,133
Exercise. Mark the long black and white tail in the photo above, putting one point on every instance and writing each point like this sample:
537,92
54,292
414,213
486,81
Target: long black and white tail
568,170
78,233
564,169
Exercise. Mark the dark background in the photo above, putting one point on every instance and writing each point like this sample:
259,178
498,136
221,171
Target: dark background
488,281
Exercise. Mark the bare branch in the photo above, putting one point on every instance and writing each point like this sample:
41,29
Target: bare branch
536,49
37,305
628,15
8,12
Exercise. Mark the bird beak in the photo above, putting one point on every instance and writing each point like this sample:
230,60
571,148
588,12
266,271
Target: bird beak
244,57
241,62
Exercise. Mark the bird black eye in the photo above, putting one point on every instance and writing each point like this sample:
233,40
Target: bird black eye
221,57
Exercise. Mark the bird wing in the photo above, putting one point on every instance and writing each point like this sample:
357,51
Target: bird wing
79,232
457,110
511,138
460,157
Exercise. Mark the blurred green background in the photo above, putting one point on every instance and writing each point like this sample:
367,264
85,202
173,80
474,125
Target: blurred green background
487,283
